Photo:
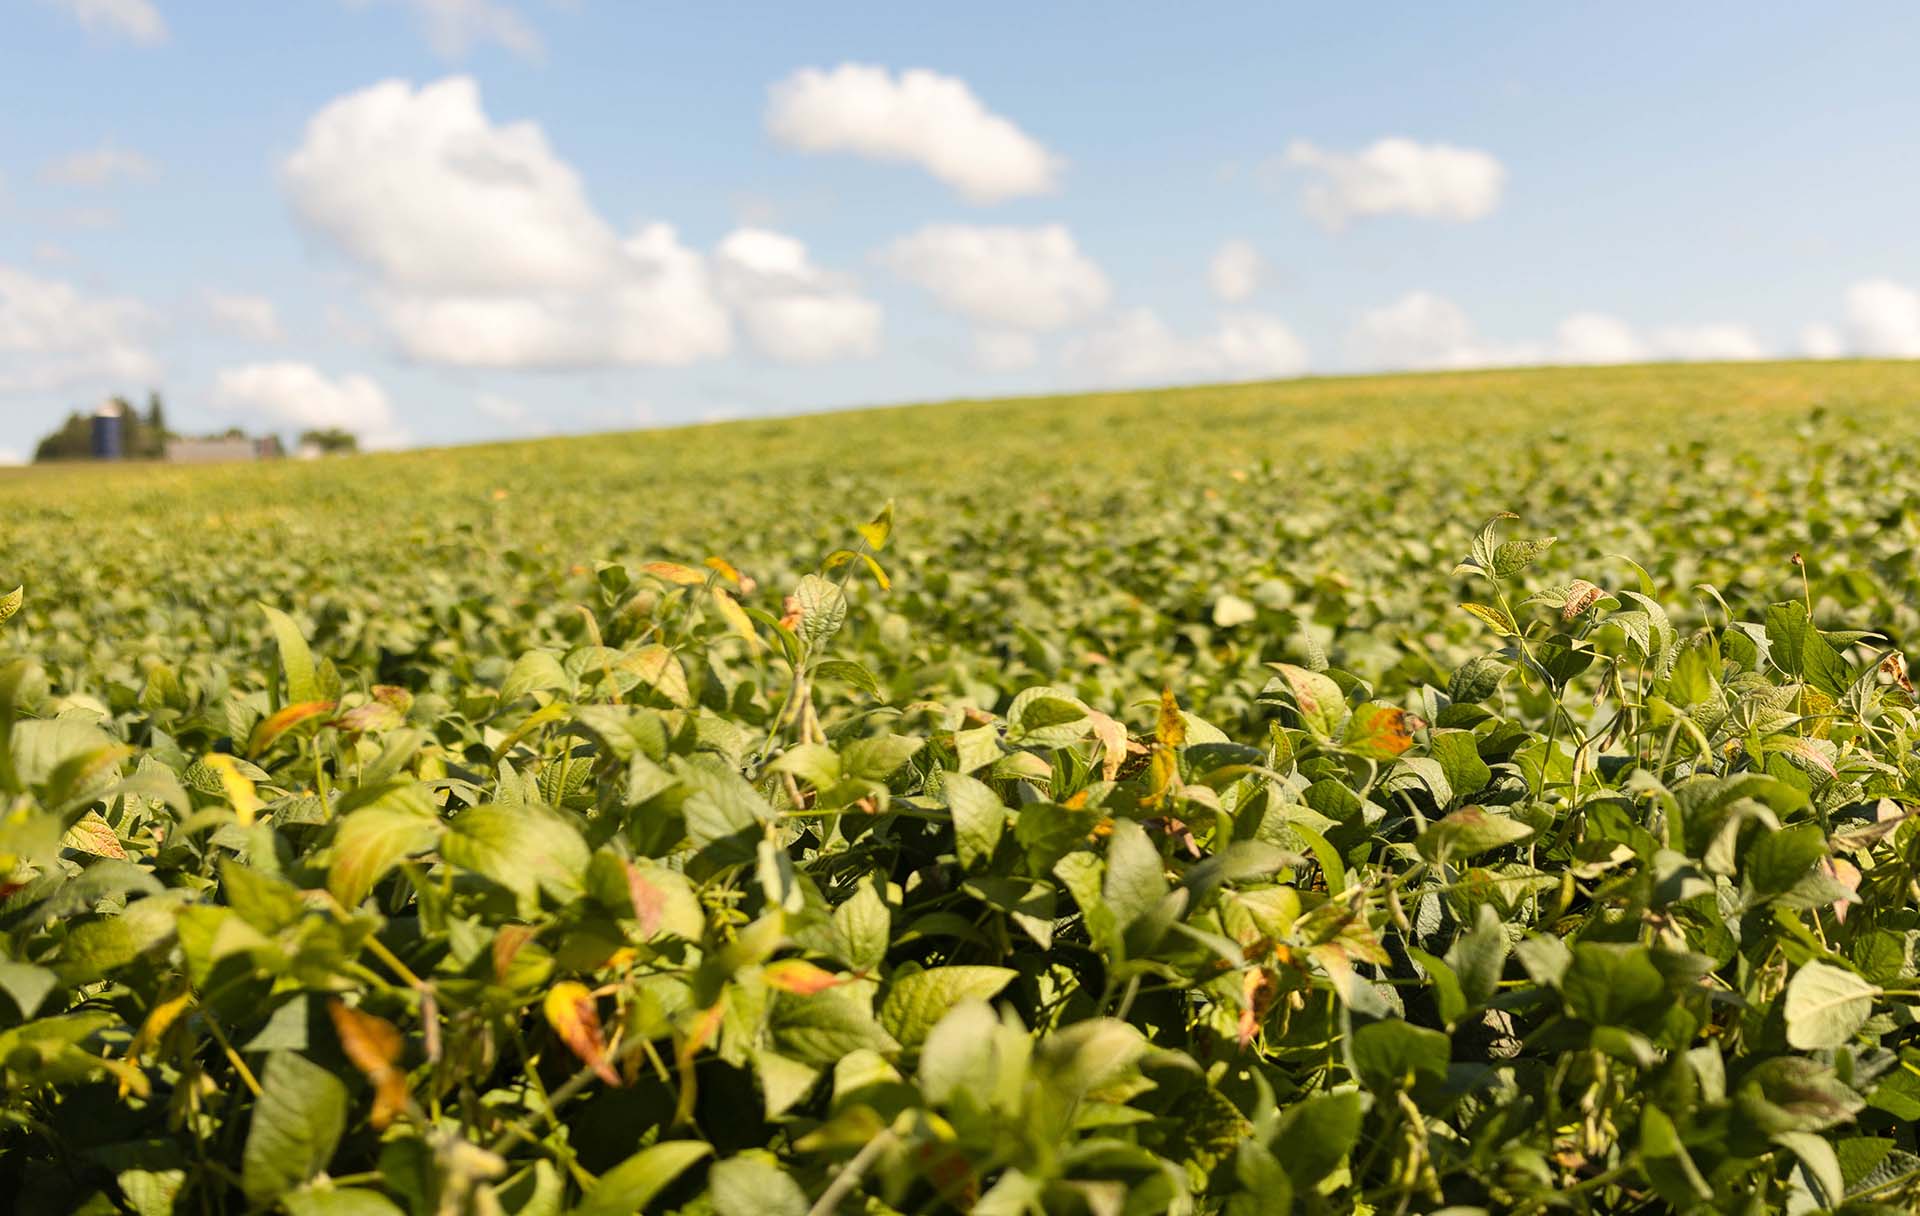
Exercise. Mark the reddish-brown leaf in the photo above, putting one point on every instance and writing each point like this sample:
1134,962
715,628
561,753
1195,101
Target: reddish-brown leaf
373,1045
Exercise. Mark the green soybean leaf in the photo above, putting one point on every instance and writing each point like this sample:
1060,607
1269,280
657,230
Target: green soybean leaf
1826,1006
297,1123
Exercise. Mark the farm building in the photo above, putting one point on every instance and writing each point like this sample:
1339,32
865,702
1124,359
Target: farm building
223,449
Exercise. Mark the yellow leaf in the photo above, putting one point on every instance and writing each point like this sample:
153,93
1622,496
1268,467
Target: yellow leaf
799,977
725,569
1169,735
877,532
1170,729
239,790
159,1020
132,1080
1493,617
735,616
571,1012
674,572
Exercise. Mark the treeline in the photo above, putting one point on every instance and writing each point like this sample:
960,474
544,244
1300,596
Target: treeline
143,435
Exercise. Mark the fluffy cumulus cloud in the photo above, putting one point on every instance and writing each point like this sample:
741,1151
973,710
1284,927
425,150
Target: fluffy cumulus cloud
99,166
251,318
135,20
455,27
920,118
55,336
1398,177
1883,318
1137,348
1003,278
792,310
1236,271
481,246
298,395
420,187
1422,330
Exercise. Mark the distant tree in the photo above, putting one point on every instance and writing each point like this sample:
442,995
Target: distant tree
72,441
332,440
156,414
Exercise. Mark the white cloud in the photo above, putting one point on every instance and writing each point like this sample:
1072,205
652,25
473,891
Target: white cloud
1011,278
1004,350
661,312
252,318
1398,176
481,244
423,189
298,395
1591,337
1422,330
1719,341
793,311
921,118
1137,347
455,27
137,20
1883,318
1236,271
54,336
98,167
1822,341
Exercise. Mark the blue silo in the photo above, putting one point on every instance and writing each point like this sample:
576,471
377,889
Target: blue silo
110,432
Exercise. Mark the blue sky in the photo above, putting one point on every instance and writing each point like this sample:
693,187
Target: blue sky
452,220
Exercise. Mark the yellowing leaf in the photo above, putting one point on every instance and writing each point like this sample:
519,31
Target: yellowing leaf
1169,735
571,1012
238,788
660,670
1170,727
673,572
1493,617
158,1021
736,617
725,569
93,834
877,532
799,977
289,717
